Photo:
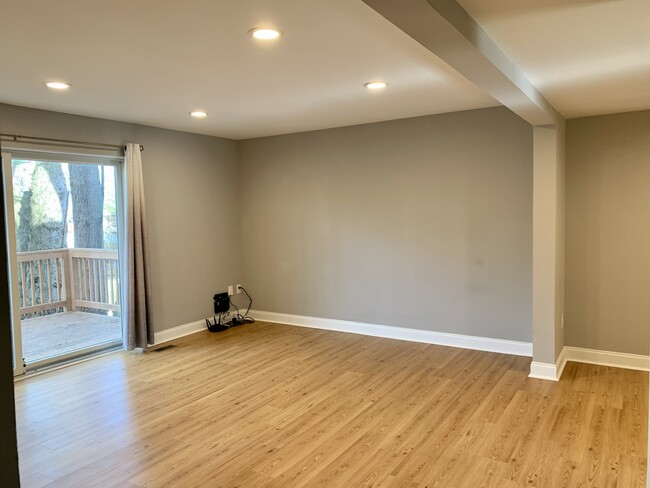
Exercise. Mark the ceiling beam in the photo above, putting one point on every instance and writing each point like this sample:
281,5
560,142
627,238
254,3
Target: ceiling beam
449,32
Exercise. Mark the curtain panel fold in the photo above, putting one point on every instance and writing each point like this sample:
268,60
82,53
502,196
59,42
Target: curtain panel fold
137,281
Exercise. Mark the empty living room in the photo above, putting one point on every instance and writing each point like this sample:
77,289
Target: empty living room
325,243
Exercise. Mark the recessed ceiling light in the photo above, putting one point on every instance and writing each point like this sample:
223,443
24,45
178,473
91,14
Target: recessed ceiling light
199,114
375,85
57,85
264,34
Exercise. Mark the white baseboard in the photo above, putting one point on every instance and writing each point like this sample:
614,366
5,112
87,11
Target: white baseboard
390,332
546,371
543,371
549,371
607,358
553,372
180,331
561,362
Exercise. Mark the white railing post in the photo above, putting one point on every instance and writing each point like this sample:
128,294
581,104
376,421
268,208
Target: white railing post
68,277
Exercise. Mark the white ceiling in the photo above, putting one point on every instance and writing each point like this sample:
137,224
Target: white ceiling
587,57
154,61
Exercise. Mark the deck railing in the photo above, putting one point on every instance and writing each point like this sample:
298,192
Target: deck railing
68,279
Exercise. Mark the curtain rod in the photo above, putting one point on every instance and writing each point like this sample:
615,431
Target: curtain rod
65,142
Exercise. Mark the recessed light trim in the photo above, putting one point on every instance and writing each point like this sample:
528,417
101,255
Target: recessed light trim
264,33
57,85
199,114
375,85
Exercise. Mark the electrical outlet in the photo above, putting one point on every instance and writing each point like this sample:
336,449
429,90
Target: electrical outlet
230,292
238,289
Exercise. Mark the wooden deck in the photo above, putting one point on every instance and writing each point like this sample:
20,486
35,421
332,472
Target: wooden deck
279,406
61,333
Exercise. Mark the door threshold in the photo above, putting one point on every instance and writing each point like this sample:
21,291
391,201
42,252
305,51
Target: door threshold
48,368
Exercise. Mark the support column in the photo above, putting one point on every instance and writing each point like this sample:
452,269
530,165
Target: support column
548,251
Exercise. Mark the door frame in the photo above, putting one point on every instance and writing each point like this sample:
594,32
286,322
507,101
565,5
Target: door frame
12,261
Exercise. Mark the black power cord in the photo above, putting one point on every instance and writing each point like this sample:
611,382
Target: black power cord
250,304
240,319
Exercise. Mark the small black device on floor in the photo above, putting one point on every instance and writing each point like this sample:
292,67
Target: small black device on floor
222,305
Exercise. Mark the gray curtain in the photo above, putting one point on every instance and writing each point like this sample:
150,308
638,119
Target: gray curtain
137,282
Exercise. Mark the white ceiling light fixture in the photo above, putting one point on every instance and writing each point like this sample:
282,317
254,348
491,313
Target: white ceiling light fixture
199,114
375,85
264,33
57,85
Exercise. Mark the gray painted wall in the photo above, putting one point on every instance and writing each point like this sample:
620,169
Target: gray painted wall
190,188
608,233
422,223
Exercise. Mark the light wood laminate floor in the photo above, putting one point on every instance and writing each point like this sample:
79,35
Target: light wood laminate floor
271,405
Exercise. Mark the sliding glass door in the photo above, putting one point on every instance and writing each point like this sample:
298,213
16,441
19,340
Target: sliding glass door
63,233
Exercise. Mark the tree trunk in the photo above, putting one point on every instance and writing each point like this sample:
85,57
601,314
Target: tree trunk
87,190
24,230
57,178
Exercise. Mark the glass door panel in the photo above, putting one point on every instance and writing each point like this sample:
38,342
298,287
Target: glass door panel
66,258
